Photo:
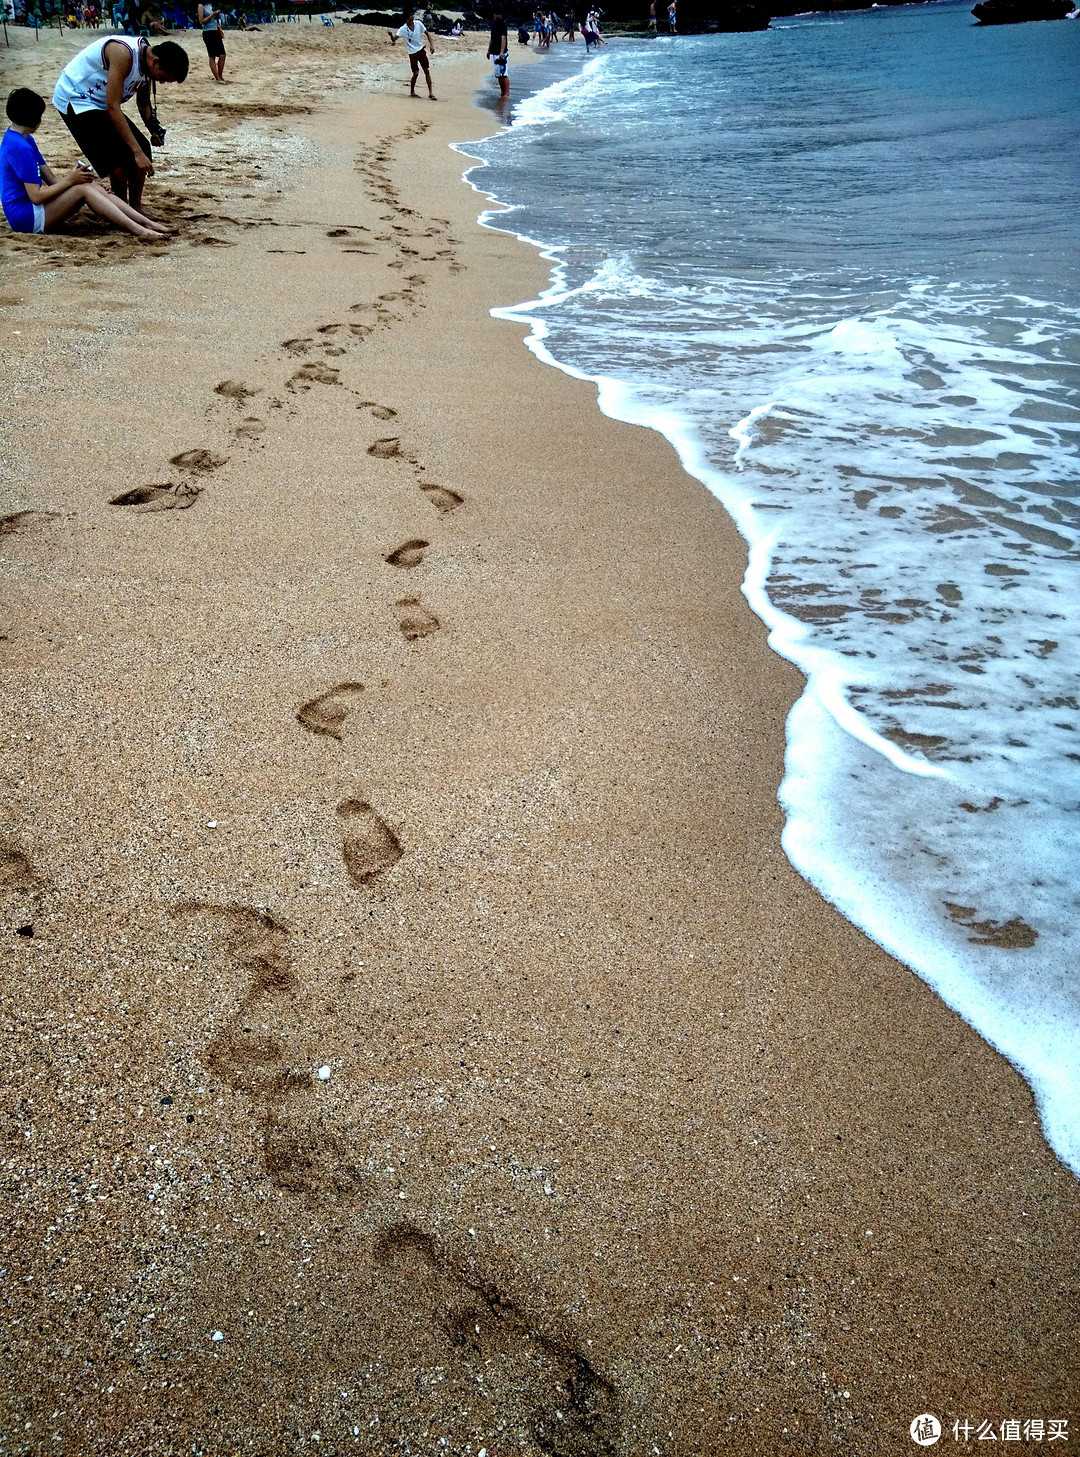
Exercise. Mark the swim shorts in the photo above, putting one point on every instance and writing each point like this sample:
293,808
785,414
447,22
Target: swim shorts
418,59
28,220
102,145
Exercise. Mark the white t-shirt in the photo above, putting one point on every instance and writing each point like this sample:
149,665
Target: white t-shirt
84,81
413,36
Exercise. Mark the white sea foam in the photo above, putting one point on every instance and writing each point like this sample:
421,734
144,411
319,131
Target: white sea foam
905,477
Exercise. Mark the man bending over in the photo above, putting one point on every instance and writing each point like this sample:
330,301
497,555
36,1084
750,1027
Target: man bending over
90,95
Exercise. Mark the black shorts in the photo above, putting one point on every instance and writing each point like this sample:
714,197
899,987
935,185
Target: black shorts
214,42
102,145
418,59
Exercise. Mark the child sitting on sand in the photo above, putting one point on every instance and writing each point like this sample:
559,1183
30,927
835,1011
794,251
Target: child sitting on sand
34,199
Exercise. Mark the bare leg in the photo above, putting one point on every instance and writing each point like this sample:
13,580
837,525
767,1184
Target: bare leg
59,208
100,202
140,217
117,212
118,181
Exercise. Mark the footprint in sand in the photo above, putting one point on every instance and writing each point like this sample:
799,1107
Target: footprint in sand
250,1055
442,499
20,885
385,449
200,462
328,331
408,554
415,621
381,412
304,1156
249,428
309,374
297,346
490,1352
370,846
234,389
16,871
165,497
326,714
20,520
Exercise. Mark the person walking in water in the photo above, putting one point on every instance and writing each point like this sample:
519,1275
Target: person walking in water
499,52
214,41
417,40
90,95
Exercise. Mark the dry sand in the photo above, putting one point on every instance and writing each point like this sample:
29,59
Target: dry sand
629,1144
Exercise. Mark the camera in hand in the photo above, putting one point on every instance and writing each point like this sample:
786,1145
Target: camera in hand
157,131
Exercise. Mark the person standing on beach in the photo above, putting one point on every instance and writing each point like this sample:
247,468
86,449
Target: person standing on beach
671,18
214,41
417,40
499,52
90,94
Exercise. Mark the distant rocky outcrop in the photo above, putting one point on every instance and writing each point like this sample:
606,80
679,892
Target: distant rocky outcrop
1012,12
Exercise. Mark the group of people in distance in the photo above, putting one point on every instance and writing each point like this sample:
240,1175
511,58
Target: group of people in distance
89,96
546,26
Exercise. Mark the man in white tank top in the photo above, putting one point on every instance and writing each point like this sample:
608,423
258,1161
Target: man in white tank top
91,92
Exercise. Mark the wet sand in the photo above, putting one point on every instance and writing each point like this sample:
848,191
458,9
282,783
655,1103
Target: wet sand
414,1038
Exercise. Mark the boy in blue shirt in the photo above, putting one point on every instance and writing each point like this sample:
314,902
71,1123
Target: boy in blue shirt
34,199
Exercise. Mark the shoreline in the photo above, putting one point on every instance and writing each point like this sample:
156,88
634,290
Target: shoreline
823,726
614,1099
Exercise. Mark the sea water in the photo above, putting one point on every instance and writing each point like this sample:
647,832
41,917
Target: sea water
837,264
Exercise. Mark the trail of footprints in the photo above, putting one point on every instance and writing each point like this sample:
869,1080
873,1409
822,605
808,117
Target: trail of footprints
414,238
499,1365
250,1054
544,1388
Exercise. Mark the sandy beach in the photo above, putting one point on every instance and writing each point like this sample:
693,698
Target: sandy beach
414,1038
